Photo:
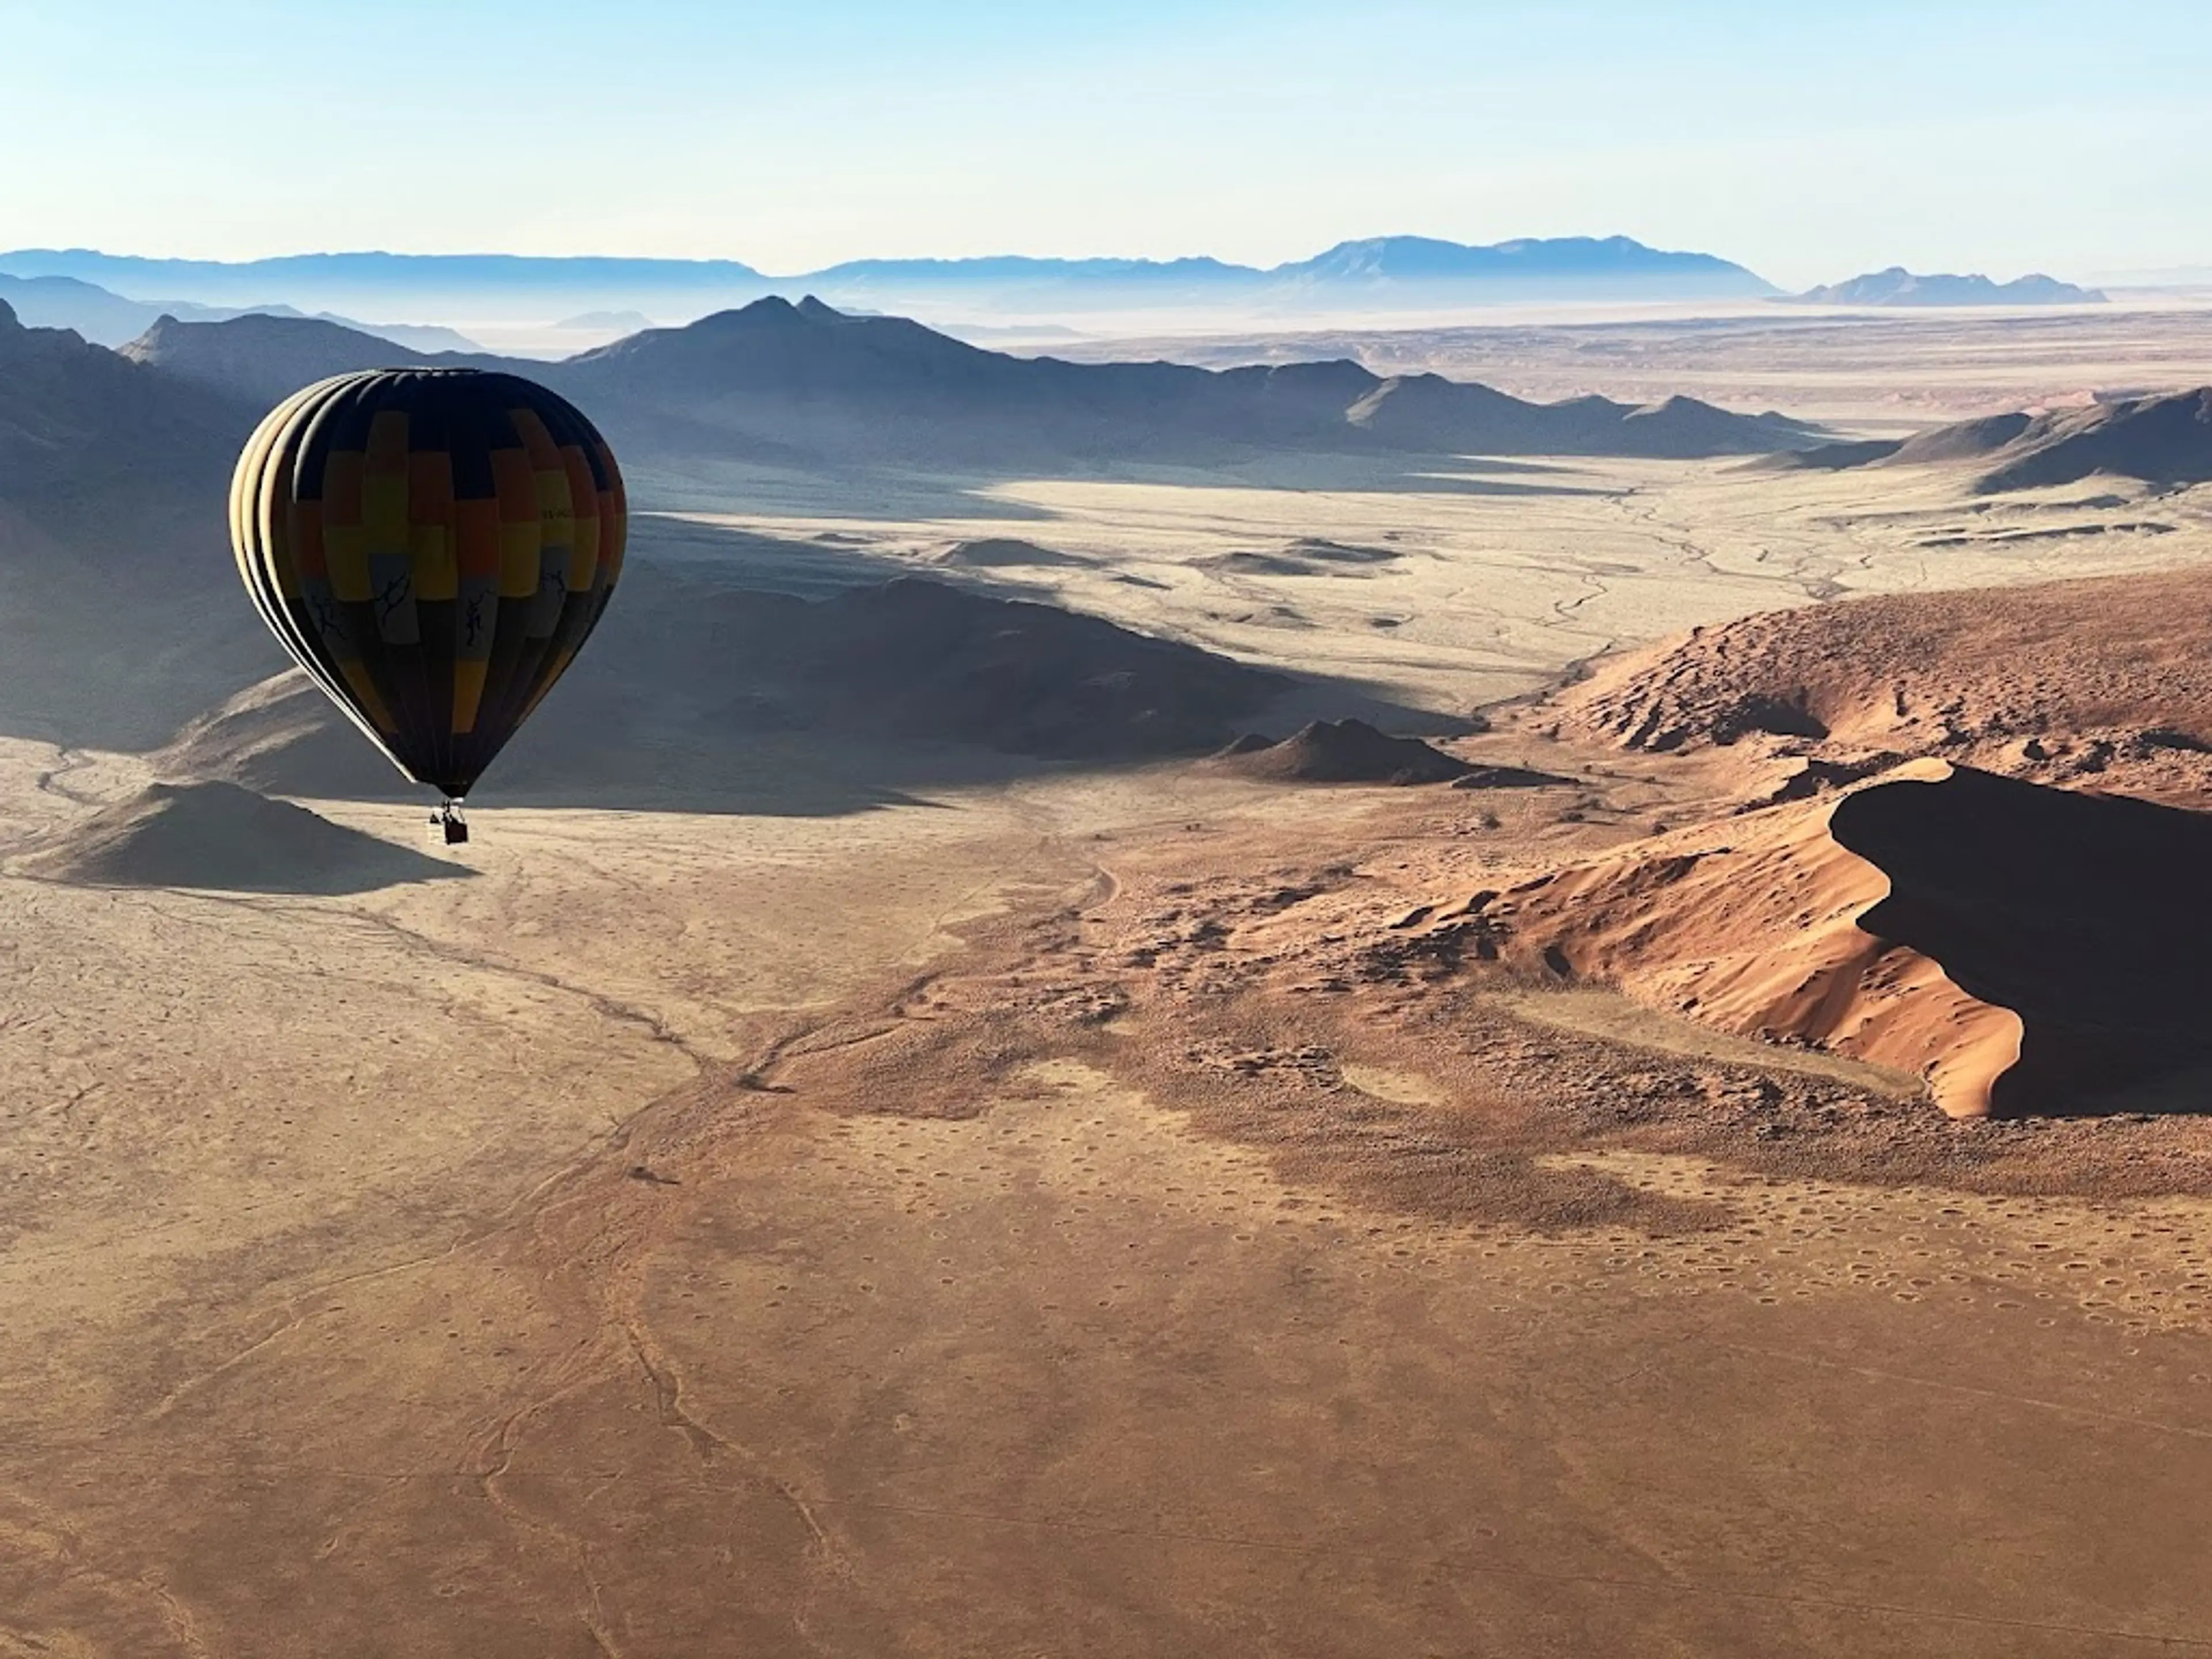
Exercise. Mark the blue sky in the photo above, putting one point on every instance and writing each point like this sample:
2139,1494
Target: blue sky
1809,139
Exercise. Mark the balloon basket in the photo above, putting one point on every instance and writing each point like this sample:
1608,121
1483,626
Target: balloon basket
448,822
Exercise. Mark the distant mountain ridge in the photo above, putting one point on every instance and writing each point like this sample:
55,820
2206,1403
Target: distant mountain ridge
1377,271
1564,259
109,319
346,281
808,382
1898,287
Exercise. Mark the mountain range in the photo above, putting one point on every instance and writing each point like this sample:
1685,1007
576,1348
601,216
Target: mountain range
808,383
1377,273
109,319
1898,287
2163,440
114,465
118,611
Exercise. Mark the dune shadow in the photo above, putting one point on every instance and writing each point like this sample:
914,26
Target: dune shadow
1311,697
701,696
109,665
1441,472
888,494
1460,483
561,765
736,556
342,878
843,694
816,775
703,484
2084,915
1441,475
218,836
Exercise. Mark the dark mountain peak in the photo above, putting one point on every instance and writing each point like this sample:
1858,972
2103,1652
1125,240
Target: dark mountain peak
264,326
1965,440
83,430
772,314
1338,379
1325,369
162,333
774,343
262,358
30,342
2163,440
766,312
1429,389
806,377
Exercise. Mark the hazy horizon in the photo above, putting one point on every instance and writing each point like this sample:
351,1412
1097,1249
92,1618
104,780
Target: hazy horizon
2188,271
1805,147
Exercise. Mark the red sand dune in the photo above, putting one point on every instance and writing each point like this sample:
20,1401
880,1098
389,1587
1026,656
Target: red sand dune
2023,949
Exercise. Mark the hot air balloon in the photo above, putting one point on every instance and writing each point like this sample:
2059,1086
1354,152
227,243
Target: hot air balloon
433,546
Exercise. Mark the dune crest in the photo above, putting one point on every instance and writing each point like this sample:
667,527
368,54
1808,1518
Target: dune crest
1753,927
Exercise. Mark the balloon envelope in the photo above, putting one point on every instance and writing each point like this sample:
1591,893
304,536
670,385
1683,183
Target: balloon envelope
433,546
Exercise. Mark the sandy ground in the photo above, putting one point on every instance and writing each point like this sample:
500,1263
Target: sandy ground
1898,369
1482,581
948,1229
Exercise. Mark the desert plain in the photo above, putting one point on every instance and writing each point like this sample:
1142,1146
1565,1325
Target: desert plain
912,1198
